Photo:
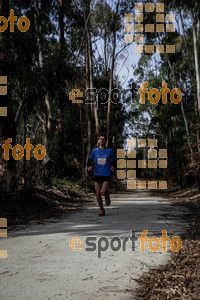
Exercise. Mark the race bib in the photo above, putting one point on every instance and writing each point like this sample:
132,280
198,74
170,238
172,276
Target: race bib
101,161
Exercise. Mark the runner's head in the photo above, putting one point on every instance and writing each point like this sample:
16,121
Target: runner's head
102,139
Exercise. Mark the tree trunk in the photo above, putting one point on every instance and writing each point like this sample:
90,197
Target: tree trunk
182,110
111,76
196,57
91,82
60,105
83,146
86,13
61,26
105,53
195,22
7,126
24,157
46,104
195,38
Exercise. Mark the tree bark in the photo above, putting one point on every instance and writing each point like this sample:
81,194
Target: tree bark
182,110
83,146
196,56
7,126
111,76
46,103
195,29
60,104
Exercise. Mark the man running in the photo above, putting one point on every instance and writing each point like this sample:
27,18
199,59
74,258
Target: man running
103,168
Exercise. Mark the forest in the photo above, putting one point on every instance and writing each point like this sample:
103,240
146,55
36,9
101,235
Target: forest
80,45
72,71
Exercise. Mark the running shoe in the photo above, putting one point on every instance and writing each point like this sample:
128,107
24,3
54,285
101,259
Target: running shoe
102,213
108,201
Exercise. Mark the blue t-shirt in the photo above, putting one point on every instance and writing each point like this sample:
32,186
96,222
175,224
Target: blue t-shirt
102,161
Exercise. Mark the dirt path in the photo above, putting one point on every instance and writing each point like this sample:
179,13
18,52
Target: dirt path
40,264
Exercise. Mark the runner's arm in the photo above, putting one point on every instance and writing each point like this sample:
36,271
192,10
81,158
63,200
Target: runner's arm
89,165
89,162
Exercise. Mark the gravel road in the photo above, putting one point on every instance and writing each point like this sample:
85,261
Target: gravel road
41,265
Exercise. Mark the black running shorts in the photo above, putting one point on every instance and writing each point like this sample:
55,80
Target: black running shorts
101,179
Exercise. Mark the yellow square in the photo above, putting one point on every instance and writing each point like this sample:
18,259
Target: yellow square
121,153
128,27
149,7
3,222
131,143
152,164
141,164
149,48
162,153
152,153
152,185
138,27
121,174
131,174
128,18
141,142
139,38
3,90
142,185
3,79
163,185
159,7
139,7
170,17
121,164
131,153
129,38
131,164
138,48
149,28
160,49
159,27
3,253
139,18
170,48
152,143
160,18
131,184
3,232
170,28
162,164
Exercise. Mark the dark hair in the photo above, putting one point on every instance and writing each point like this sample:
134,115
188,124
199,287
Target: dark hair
102,135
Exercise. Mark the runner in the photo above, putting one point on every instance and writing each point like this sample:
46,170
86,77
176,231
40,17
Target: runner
103,168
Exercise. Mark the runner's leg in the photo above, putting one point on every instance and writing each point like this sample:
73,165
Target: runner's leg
97,186
104,189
